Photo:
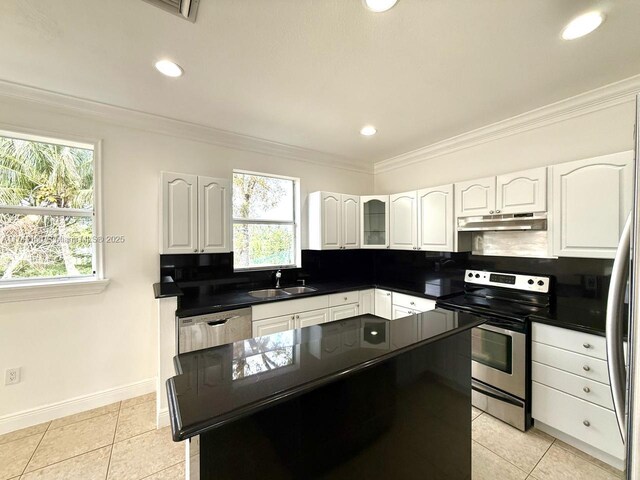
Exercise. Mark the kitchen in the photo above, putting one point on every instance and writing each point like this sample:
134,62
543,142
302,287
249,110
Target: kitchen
544,194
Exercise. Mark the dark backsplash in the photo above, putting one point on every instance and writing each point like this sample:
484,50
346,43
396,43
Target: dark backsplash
213,273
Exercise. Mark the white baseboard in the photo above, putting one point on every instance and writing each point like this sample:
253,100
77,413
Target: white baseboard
580,445
34,416
162,418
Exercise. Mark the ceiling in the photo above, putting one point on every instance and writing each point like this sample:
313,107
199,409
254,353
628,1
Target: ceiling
311,73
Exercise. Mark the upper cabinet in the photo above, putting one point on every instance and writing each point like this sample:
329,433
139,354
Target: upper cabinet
195,214
436,219
476,197
591,200
374,221
522,192
403,221
333,221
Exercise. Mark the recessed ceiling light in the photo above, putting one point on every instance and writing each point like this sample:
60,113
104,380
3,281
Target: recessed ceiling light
169,68
368,131
379,5
582,25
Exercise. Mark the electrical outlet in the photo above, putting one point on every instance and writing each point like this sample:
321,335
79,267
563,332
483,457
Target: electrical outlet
12,376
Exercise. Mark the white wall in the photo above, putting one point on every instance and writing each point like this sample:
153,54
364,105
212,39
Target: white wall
79,346
598,133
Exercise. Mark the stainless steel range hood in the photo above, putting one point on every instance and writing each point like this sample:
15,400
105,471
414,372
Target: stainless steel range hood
519,222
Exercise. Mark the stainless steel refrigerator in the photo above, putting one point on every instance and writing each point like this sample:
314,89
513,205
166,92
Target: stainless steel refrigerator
623,310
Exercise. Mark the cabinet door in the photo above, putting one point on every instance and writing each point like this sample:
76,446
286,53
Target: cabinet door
403,219
331,223
476,197
374,221
522,192
383,304
591,201
436,222
269,326
314,317
179,212
401,312
350,221
367,301
342,312
214,211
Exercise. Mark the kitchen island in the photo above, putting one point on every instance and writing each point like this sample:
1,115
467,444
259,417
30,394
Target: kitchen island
357,398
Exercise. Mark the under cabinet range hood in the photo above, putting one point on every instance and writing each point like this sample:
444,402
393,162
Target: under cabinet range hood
184,8
510,222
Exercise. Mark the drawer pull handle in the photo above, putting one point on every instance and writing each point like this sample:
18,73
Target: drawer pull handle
345,299
412,303
586,345
586,423
586,368
586,389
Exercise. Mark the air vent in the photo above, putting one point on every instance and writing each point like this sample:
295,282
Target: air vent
187,9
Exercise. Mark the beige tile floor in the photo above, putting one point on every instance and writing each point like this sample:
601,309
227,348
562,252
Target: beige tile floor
502,452
120,442
116,442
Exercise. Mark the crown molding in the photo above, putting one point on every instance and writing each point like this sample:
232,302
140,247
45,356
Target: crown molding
176,128
601,98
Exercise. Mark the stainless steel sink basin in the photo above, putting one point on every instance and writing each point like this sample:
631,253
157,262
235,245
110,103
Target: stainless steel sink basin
294,290
269,293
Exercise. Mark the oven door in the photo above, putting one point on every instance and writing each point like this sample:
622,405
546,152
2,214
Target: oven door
498,358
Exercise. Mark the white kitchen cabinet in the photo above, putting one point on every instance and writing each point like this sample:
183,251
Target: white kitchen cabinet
591,200
334,221
314,317
214,207
436,222
398,311
417,304
270,326
195,214
383,304
367,301
179,213
476,197
522,192
374,221
343,311
403,221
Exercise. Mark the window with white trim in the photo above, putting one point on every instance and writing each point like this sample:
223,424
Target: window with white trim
47,210
266,216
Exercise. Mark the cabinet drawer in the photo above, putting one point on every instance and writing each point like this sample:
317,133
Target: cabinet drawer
581,365
337,299
569,414
589,390
579,342
287,307
418,304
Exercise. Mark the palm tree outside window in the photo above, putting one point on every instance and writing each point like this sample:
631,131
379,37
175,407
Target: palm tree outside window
47,221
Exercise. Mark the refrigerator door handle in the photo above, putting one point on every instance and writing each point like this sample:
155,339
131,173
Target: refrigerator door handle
615,335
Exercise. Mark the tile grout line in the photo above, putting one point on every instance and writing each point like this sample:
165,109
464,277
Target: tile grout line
163,470
60,461
543,455
113,441
35,450
586,459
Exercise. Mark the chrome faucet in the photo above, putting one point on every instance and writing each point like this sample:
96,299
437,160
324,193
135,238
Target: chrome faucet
278,275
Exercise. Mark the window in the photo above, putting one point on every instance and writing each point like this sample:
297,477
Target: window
265,221
47,221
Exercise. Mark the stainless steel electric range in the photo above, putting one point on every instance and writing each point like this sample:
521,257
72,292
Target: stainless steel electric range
501,348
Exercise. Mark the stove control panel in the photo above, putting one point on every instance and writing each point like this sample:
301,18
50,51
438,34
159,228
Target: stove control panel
529,283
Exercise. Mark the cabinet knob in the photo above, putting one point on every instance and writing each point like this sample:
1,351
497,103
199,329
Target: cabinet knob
293,317
412,303
497,211
388,294
195,251
586,345
345,299
586,368
586,423
491,212
298,317
202,250
586,389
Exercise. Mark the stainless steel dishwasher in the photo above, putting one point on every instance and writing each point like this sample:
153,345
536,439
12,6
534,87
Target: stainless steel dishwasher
211,330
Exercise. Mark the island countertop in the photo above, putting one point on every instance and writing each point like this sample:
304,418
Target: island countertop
220,384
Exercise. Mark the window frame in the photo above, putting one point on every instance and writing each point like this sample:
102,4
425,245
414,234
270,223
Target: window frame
16,289
297,249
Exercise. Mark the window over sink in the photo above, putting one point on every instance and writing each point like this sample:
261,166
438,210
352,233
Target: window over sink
266,221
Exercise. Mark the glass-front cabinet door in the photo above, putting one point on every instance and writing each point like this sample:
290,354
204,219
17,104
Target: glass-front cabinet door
374,221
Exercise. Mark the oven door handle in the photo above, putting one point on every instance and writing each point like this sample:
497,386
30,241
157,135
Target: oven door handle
493,393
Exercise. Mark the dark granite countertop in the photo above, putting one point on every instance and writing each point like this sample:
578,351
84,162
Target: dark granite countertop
576,313
218,385
203,304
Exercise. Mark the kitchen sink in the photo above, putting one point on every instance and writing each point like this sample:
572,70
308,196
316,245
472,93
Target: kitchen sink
269,293
294,290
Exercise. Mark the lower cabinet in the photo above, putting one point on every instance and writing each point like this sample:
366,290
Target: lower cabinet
343,311
314,317
270,326
367,302
382,307
401,312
